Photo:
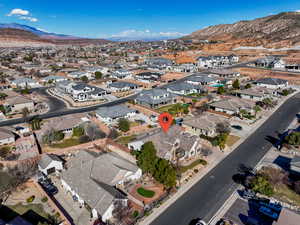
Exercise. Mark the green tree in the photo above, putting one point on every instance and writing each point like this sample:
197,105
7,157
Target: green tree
256,109
36,123
293,138
78,131
261,185
98,75
236,84
165,173
221,90
123,125
247,86
84,79
52,136
3,96
147,158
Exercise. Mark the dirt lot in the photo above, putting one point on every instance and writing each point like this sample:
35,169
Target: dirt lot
256,73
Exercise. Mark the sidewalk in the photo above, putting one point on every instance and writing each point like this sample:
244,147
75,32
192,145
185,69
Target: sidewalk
157,211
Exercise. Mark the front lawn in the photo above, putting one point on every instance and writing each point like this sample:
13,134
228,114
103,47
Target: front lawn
286,194
145,193
183,169
66,143
126,139
231,140
175,109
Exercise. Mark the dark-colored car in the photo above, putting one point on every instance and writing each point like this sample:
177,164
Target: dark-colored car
48,186
237,127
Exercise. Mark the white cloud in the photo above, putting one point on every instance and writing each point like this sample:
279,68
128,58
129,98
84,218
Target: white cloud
22,14
146,34
298,11
18,12
29,18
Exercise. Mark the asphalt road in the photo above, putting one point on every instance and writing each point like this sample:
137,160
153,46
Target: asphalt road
205,198
63,111
54,104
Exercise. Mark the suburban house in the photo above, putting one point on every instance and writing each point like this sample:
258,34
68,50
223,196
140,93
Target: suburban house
216,61
121,74
17,103
158,63
232,106
53,79
24,83
256,93
205,124
80,74
110,114
267,62
225,73
202,79
50,163
80,91
185,68
93,179
176,144
148,77
121,86
273,83
64,124
184,88
6,136
155,98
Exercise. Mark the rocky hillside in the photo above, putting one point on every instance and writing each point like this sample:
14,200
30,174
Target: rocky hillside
12,37
281,30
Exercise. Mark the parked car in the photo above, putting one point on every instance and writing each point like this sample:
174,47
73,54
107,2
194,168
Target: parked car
249,194
48,186
237,127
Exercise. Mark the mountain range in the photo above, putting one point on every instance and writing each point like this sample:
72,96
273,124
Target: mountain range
281,30
15,35
274,31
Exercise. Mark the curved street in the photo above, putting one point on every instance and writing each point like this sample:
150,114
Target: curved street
205,198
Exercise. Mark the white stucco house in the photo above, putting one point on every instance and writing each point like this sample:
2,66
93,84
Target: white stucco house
50,163
6,137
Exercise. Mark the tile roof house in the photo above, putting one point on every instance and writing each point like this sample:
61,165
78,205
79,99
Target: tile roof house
120,86
232,106
273,83
216,61
92,179
25,83
110,114
256,93
173,145
184,88
155,98
205,124
18,102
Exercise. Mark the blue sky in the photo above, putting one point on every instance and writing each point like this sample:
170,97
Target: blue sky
100,18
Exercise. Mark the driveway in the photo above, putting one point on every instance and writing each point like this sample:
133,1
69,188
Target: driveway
80,215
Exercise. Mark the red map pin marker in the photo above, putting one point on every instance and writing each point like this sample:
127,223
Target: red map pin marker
165,120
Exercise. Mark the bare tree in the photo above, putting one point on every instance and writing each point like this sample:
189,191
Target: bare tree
223,127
